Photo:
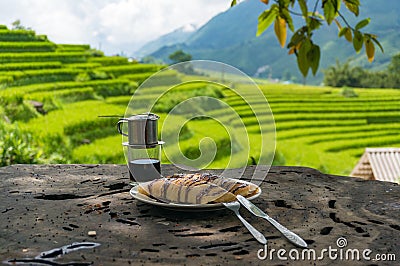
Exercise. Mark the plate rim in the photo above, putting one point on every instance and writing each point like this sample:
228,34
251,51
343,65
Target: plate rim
143,198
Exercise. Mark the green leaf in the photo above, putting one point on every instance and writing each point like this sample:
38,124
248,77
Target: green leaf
353,6
297,37
348,36
358,41
313,56
286,15
266,18
346,32
362,23
331,8
303,7
233,3
343,31
314,23
377,43
302,60
316,15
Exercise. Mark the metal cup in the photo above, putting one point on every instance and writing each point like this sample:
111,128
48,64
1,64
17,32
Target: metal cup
142,129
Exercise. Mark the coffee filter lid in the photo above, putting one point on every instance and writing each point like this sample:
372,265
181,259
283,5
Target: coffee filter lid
144,116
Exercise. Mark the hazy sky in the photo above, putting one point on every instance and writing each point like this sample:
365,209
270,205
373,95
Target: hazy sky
112,25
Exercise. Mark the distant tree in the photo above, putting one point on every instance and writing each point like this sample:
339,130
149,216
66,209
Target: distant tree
16,25
151,60
341,75
180,56
315,13
395,64
286,76
393,72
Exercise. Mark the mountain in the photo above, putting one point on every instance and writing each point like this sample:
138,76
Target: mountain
230,37
177,36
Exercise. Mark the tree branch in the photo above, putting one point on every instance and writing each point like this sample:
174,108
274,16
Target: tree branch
345,21
315,7
294,13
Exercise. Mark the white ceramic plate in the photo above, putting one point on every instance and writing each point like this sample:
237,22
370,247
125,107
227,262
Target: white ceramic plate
185,207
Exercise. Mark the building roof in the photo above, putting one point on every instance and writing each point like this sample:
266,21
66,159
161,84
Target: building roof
379,164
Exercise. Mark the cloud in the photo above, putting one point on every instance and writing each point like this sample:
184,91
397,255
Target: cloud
112,25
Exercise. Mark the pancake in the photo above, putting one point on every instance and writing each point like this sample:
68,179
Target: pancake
198,188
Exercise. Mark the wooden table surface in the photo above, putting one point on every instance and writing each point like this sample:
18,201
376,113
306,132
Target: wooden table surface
46,207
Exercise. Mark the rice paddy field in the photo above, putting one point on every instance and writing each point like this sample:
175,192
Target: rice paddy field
319,127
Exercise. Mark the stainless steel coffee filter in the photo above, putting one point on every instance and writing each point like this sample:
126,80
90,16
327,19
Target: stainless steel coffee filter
142,129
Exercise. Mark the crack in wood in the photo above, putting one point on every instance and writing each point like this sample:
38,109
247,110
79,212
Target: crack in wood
213,246
116,186
113,192
7,210
126,221
66,196
195,234
231,229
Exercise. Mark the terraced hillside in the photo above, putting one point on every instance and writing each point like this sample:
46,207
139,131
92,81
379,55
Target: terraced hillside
321,128
318,127
52,94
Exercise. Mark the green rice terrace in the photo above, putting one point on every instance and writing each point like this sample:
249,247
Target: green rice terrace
51,97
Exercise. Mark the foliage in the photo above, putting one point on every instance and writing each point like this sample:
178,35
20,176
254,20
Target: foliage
395,64
16,109
41,76
30,65
301,43
172,98
64,57
17,25
10,47
87,129
83,66
56,149
348,92
151,60
95,53
109,87
345,75
7,35
279,159
92,75
138,77
99,151
223,147
17,146
110,60
72,47
119,70
163,78
180,56
68,95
